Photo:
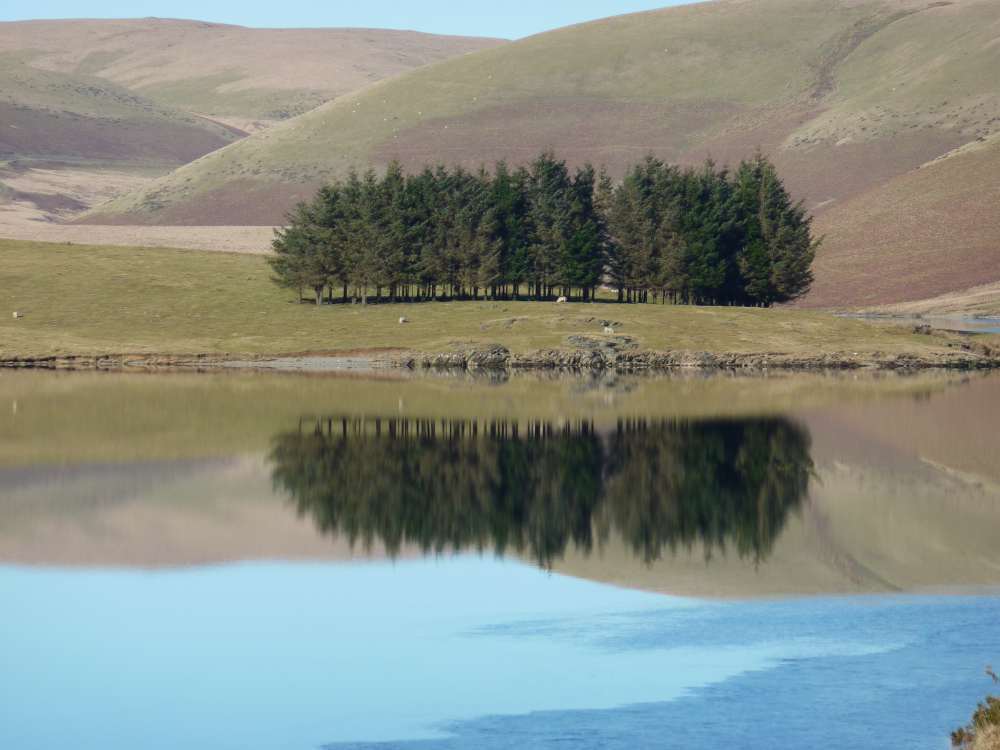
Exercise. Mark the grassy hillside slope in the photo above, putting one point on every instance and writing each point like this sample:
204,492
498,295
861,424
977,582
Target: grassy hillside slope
846,95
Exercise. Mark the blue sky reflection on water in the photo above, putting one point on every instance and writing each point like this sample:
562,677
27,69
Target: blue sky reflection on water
301,656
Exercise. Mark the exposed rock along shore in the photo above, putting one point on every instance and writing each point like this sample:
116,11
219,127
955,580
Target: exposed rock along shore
500,358
620,358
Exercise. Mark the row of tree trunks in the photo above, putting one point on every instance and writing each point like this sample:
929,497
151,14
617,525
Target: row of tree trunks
535,291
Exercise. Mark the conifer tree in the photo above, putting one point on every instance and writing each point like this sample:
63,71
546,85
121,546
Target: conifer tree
778,249
302,253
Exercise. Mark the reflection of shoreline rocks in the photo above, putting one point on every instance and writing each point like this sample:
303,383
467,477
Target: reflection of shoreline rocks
540,488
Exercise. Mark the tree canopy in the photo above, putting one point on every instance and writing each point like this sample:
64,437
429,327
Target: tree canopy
698,236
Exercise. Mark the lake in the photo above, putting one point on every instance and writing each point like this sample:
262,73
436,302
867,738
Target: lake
300,561
956,323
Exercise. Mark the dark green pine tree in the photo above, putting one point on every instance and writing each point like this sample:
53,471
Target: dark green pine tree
393,245
778,250
510,204
549,212
303,252
583,251
629,229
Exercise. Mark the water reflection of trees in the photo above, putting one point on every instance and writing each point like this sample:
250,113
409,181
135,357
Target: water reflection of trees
538,488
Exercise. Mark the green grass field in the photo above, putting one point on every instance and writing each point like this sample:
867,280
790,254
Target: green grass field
86,300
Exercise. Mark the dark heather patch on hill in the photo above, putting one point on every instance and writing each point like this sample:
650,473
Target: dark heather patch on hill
610,133
243,202
825,176
49,202
66,135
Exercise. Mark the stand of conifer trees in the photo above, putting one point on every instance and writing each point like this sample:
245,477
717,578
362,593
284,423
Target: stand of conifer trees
686,236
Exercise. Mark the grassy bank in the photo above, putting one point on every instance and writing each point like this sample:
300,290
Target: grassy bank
91,300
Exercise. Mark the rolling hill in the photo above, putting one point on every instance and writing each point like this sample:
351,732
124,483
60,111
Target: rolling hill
249,76
57,116
89,109
850,97
162,91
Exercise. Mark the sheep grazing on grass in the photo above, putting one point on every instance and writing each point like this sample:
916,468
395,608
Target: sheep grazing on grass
609,330
17,315
404,320
562,301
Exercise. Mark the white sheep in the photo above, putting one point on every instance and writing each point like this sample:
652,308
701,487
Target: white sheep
17,315
562,301
403,320
609,330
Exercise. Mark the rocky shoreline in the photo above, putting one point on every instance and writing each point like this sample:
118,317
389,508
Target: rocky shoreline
499,358
495,357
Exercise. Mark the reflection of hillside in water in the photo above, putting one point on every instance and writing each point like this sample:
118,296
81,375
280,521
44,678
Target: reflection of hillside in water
538,489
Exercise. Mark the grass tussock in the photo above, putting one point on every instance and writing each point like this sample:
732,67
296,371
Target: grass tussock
983,731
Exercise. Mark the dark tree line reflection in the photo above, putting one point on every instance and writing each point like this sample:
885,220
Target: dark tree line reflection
537,488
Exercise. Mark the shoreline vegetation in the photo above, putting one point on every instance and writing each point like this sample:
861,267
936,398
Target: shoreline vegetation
983,731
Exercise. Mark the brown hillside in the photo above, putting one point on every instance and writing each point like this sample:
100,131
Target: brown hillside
935,228
71,116
60,136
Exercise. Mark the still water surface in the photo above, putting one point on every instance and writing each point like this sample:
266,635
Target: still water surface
286,562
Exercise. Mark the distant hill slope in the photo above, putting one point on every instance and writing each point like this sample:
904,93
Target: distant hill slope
156,90
228,71
846,95
70,117
124,101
